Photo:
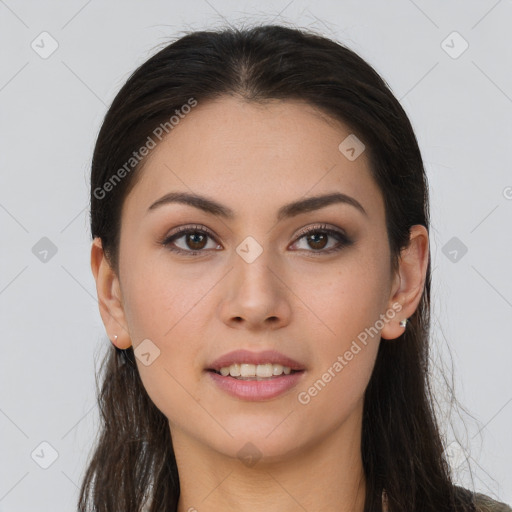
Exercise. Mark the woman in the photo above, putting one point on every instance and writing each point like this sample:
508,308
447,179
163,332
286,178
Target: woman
260,223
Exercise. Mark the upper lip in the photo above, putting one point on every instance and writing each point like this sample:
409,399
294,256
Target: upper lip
246,356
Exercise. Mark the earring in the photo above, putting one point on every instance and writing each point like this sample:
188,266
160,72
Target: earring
403,323
115,338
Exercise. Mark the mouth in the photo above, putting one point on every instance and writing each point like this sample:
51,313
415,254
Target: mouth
257,372
255,387
255,376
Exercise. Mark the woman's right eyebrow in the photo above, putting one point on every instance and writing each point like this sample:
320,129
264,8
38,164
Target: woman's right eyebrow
289,210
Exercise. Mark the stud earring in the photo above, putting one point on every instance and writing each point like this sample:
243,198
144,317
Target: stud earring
115,338
403,323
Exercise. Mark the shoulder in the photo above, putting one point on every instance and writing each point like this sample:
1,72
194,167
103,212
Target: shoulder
484,503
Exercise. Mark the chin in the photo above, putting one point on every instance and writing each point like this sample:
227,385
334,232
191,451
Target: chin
267,440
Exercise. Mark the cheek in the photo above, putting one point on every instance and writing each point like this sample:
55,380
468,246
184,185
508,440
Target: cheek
160,298
343,362
348,304
170,308
338,389
344,299
167,309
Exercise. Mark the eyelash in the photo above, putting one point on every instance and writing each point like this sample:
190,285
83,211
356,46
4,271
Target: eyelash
343,240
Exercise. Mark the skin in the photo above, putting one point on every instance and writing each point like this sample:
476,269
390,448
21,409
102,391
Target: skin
254,159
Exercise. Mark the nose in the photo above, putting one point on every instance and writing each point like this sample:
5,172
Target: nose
255,296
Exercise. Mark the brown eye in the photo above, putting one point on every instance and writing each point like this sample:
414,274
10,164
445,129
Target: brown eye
195,240
317,238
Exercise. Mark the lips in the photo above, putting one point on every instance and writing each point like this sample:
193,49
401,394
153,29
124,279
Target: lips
246,356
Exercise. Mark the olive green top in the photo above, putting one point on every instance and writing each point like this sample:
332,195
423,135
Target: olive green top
482,502
485,504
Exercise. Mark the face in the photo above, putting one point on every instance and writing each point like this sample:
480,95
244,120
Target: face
250,275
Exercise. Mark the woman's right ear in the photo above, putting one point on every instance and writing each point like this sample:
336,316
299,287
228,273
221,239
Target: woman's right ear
109,297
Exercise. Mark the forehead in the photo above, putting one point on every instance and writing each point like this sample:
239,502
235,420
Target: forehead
252,156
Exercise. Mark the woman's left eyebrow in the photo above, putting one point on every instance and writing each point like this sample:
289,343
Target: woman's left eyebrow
292,209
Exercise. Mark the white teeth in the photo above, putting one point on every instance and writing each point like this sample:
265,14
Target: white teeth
234,370
244,370
265,370
247,370
277,369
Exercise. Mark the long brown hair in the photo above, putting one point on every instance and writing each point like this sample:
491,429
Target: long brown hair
402,451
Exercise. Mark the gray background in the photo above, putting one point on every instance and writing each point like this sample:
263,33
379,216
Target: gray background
460,105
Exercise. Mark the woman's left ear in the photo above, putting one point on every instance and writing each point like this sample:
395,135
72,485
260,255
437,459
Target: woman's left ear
409,281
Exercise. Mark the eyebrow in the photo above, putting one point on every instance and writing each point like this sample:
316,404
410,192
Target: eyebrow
287,211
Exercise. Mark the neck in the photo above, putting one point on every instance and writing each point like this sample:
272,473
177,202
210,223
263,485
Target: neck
327,475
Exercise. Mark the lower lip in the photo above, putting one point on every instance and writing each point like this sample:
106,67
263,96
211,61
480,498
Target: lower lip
256,390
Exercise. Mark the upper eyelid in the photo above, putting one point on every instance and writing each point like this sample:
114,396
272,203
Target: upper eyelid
200,227
183,230
320,227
